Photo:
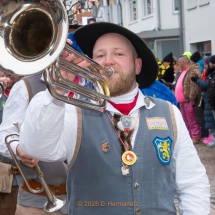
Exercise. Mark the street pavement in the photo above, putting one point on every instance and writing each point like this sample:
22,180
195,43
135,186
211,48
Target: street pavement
207,157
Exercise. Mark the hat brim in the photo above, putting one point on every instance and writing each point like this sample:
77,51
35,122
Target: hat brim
87,36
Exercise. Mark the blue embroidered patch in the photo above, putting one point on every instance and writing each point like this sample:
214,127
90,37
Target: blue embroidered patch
163,147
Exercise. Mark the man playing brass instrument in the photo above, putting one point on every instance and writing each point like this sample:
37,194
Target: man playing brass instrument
8,183
54,173
132,158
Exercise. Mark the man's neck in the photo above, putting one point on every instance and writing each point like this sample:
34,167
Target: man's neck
126,98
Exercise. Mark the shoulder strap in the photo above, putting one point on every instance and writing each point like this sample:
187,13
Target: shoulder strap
175,132
28,86
78,140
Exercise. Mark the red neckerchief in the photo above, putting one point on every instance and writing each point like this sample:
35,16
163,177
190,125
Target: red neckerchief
125,108
7,92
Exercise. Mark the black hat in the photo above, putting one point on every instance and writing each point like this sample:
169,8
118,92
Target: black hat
195,57
212,60
91,19
149,69
168,58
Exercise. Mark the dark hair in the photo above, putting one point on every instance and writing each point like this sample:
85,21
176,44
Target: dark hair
91,19
196,56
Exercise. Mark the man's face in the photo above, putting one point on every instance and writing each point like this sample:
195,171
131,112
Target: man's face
91,22
114,50
181,63
13,78
211,65
166,64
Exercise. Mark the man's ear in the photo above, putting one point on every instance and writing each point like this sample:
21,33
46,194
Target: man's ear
138,65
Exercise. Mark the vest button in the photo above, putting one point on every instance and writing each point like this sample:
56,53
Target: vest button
136,185
138,211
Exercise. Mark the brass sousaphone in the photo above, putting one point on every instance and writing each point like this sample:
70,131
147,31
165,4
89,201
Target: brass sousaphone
33,35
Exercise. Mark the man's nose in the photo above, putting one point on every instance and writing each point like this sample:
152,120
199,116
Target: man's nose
108,60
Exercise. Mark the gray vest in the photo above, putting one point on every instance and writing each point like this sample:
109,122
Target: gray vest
95,184
54,173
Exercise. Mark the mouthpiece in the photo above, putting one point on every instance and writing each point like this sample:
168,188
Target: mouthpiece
109,72
1,89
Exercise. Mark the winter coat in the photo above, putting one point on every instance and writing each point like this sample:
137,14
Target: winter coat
201,65
166,73
209,122
211,89
190,88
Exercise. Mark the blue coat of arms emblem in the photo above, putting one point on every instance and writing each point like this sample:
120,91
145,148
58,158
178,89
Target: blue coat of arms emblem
163,147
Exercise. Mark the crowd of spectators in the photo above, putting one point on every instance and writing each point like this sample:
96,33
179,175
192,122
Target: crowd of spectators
191,78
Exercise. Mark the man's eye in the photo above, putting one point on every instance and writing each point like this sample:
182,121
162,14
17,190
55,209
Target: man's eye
100,56
119,54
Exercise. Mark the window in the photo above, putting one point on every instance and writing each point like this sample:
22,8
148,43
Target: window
176,5
147,4
204,47
133,10
191,4
203,2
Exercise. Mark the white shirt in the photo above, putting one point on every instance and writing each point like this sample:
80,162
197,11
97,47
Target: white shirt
14,111
49,133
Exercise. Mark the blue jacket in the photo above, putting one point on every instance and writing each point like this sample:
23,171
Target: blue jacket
74,43
161,91
201,65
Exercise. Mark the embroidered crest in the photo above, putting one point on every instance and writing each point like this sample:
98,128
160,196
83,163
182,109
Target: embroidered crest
105,146
163,147
157,123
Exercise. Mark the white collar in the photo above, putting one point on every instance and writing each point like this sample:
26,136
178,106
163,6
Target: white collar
129,97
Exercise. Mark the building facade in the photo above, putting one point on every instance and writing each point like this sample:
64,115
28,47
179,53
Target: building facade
157,22
166,25
199,22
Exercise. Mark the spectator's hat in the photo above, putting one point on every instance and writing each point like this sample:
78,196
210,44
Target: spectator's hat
195,57
168,58
188,54
149,69
212,60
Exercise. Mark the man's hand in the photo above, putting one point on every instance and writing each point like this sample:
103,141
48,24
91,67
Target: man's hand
5,81
194,79
27,160
74,59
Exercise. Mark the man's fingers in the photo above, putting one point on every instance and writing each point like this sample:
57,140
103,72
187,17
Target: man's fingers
5,81
30,163
84,64
33,163
69,41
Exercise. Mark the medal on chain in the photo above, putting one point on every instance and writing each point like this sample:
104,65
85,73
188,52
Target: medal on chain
126,126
